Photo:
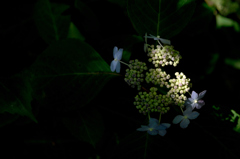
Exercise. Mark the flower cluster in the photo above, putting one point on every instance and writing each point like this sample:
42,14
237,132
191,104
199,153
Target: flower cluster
151,101
157,77
162,56
134,76
178,87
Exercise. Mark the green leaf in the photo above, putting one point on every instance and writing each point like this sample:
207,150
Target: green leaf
16,95
51,24
227,22
160,17
86,125
70,73
200,20
121,3
233,62
74,32
125,41
89,20
7,118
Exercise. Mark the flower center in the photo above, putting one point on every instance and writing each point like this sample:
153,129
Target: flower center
115,59
151,129
195,101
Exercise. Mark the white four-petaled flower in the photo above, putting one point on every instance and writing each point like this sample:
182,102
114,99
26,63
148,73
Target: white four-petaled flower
155,128
184,119
195,100
117,55
164,41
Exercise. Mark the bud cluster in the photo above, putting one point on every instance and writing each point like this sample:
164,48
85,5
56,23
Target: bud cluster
162,56
152,102
157,76
134,76
179,87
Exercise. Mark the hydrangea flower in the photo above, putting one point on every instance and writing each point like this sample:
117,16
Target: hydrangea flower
154,128
195,100
117,55
162,129
164,41
184,119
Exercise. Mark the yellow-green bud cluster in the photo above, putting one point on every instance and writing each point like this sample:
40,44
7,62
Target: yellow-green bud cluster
162,56
157,77
152,102
134,76
179,87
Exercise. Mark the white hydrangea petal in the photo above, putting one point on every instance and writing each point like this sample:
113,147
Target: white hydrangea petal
160,127
113,65
153,120
119,54
162,132
143,128
188,111
189,106
165,41
193,115
166,125
201,95
190,100
115,50
177,119
194,95
199,104
153,132
184,123
118,67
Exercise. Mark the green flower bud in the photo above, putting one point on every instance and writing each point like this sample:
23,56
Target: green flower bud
155,104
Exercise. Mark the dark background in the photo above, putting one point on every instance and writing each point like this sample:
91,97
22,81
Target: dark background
204,55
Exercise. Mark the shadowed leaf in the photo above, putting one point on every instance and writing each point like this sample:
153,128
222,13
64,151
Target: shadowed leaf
160,17
71,73
86,126
16,95
51,24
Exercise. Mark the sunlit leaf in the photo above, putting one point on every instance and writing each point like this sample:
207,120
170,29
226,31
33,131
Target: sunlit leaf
74,32
226,22
160,17
233,62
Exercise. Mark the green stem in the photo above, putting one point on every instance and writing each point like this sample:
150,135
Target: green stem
181,109
124,63
159,117
158,25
